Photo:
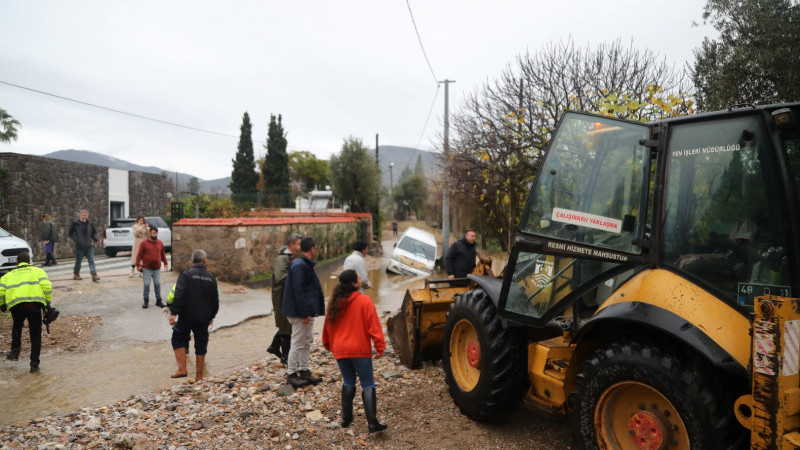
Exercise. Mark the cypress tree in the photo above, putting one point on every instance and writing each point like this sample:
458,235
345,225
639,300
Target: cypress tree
275,170
244,178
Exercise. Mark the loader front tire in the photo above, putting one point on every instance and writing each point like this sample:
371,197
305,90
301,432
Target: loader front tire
483,361
634,395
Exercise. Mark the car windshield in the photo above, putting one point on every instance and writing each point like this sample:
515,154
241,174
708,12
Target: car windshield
122,223
157,222
4,233
416,247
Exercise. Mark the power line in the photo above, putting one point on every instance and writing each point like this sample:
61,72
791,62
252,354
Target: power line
435,79
433,103
165,122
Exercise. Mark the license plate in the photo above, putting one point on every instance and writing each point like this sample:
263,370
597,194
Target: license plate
120,233
12,259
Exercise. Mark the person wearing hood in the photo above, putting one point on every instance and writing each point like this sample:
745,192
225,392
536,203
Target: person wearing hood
281,342
350,331
460,260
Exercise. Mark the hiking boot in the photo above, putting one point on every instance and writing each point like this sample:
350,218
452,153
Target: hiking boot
77,276
159,304
13,355
34,367
306,376
95,277
295,380
144,304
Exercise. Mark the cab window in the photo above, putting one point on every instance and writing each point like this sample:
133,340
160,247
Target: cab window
592,186
721,223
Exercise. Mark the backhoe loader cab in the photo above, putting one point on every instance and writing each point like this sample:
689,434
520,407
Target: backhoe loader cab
628,295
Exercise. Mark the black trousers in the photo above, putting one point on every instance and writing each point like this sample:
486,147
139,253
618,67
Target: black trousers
33,313
180,335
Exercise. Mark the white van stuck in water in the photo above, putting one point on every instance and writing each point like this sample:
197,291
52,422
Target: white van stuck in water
414,253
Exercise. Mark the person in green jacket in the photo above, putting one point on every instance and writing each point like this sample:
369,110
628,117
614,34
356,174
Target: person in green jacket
281,342
26,292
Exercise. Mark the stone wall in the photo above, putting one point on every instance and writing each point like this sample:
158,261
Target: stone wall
32,185
148,194
239,252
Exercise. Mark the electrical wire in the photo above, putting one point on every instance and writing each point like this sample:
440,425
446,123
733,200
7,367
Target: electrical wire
420,41
139,116
433,103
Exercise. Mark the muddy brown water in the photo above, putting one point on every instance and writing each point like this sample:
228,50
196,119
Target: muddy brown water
117,368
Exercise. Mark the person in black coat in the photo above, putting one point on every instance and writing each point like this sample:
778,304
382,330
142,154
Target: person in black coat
460,259
193,309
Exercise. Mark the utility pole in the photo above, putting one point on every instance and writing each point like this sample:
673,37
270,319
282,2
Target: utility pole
377,215
391,189
446,188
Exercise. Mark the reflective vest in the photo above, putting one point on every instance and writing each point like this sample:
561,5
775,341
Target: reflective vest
25,284
171,296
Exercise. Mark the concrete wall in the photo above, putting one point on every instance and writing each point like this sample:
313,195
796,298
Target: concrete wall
32,185
237,253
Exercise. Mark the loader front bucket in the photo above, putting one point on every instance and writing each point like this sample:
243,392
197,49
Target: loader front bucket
416,330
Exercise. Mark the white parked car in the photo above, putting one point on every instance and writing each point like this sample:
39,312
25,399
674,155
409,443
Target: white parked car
10,247
119,236
414,253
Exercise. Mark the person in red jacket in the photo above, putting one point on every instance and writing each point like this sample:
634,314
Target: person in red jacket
350,323
148,261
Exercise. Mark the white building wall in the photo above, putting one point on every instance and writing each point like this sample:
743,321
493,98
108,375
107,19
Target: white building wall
118,189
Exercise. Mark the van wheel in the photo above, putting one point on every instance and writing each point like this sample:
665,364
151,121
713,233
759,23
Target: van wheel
634,395
110,252
483,362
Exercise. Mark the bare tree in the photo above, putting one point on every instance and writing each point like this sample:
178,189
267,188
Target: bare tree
502,129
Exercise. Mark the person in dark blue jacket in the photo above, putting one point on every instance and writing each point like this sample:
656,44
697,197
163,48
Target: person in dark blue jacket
302,301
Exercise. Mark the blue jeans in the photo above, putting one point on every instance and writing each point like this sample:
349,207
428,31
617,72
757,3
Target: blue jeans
350,367
156,276
79,254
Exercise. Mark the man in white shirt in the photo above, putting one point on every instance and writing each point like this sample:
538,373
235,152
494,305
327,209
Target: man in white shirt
357,261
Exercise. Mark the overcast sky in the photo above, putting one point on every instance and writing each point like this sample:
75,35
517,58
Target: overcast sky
331,68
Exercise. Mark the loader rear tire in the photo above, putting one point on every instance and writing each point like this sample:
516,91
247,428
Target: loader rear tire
634,395
483,361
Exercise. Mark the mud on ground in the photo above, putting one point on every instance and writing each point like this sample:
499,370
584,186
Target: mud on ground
253,408
67,333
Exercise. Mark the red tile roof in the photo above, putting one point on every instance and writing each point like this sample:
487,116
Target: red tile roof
277,220
273,213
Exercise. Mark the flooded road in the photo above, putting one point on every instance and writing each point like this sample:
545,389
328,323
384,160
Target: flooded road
133,354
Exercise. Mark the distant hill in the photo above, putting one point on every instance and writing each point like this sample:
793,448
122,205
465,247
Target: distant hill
219,186
403,157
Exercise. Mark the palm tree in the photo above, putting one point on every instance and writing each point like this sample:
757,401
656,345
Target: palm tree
8,127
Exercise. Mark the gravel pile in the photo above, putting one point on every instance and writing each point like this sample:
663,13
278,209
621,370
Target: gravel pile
253,408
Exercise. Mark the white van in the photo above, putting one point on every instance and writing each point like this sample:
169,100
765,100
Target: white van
414,253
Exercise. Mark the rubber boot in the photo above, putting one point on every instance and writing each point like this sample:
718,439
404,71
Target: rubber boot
286,344
199,362
371,410
180,358
275,347
348,394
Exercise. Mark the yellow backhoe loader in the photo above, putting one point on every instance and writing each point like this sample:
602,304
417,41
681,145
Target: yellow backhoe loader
648,292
